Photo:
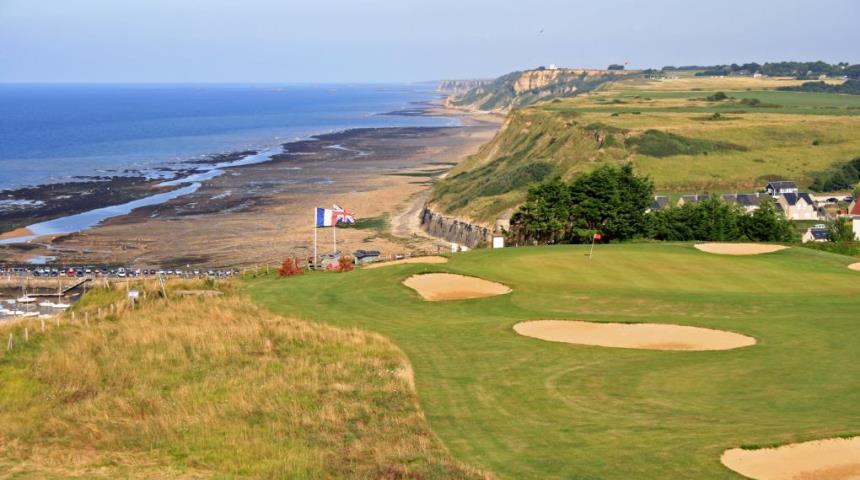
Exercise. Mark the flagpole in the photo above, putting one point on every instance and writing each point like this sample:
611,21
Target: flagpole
592,247
315,239
334,237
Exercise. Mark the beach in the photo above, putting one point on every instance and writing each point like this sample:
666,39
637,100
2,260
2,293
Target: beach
260,213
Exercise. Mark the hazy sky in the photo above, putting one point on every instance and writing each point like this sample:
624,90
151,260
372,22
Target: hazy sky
402,40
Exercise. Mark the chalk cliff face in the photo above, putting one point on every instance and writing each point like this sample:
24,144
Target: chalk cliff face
454,87
518,89
454,230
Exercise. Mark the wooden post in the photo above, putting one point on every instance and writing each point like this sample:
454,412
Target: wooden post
42,320
9,345
26,334
73,316
99,315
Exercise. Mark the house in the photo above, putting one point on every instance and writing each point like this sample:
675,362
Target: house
854,211
797,206
363,257
750,202
816,233
659,203
685,199
781,187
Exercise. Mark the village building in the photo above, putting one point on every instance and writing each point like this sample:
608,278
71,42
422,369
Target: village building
816,233
658,203
750,202
781,187
685,199
854,211
797,206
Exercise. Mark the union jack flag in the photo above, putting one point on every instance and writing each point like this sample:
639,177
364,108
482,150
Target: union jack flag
340,215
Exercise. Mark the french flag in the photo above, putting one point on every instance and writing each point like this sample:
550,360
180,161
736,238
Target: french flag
329,217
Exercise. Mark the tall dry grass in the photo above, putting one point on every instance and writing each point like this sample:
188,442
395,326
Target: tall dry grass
200,387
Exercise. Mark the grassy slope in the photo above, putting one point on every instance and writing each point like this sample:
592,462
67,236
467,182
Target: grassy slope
215,388
778,140
525,408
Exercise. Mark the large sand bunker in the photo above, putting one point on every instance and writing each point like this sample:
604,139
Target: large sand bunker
447,286
429,259
832,459
647,336
739,248
855,266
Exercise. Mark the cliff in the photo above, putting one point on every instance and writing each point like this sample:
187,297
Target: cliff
518,89
456,87
454,230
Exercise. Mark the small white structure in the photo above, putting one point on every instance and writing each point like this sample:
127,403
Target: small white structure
498,241
854,211
777,188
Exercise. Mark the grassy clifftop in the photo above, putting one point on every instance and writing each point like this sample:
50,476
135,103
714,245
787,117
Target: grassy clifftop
680,132
208,387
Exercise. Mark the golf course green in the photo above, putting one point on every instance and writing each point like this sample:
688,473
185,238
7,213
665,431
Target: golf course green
522,407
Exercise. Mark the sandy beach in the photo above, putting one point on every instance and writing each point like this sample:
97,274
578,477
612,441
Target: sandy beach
262,213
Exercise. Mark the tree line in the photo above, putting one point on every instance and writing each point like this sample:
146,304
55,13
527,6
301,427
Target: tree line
800,70
614,202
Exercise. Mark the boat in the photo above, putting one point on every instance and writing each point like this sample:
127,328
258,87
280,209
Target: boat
60,305
25,299
46,304
30,314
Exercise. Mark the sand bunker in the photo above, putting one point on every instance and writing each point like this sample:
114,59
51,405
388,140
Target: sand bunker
833,459
447,286
647,336
430,259
855,266
739,248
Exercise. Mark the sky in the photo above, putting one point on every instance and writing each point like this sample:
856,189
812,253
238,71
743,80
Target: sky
343,41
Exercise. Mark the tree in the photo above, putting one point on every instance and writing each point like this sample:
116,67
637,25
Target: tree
616,66
840,230
611,200
290,268
545,216
767,225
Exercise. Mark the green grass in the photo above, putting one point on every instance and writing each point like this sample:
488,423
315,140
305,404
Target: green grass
525,408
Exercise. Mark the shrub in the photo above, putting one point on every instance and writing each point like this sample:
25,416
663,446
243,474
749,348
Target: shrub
660,144
290,268
345,264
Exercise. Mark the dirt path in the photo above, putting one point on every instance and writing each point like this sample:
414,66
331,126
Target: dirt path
739,248
647,336
831,459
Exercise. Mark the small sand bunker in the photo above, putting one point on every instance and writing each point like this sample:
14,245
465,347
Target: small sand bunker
739,248
855,266
832,459
429,259
646,336
447,286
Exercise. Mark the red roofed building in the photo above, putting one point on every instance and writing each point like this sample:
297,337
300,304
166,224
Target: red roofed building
854,211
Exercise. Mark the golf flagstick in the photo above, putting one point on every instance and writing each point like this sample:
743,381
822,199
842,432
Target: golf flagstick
594,238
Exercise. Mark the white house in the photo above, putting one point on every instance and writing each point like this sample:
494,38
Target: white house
816,233
780,187
797,206
854,211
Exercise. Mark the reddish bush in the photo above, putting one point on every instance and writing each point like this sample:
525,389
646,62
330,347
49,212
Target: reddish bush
344,264
290,268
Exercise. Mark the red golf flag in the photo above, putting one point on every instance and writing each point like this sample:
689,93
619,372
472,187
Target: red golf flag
597,236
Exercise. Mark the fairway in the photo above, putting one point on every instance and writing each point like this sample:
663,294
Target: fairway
523,407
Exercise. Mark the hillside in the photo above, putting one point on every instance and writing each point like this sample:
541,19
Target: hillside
208,387
518,89
678,131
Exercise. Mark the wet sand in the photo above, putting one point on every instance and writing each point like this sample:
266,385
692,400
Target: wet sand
261,213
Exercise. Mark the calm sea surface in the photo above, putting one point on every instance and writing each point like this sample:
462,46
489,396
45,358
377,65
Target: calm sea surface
56,133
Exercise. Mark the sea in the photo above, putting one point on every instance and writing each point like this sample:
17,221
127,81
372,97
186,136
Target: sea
60,133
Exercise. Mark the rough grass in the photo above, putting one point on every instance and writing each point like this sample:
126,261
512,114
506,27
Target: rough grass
209,388
760,134
525,408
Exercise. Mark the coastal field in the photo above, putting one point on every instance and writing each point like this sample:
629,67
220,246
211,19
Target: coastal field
524,407
207,385
693,134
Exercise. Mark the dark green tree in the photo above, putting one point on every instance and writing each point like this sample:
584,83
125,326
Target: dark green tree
765,224
611,200
545,216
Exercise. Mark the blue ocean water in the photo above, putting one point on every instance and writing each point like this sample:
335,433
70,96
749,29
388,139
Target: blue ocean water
53,133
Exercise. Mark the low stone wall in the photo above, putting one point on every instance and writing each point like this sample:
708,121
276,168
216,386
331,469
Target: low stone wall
453,230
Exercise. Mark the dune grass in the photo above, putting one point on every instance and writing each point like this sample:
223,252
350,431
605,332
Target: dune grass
525,408
208,388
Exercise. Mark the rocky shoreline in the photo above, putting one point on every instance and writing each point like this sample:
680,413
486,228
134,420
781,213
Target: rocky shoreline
372,170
